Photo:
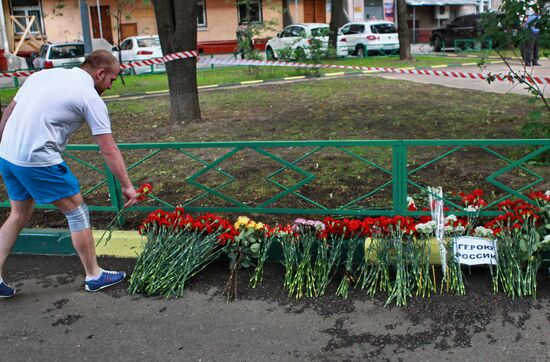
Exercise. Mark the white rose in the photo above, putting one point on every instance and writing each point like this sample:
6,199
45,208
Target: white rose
450,218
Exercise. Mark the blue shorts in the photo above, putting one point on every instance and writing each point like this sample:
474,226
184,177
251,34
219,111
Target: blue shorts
43,184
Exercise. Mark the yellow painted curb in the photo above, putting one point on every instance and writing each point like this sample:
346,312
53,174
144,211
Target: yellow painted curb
252,81
123,244
208,86
156,92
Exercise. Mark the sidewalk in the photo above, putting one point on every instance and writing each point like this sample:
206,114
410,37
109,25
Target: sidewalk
53,319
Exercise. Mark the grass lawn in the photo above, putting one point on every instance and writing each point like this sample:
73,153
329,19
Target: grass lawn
361,108
235,74
323,109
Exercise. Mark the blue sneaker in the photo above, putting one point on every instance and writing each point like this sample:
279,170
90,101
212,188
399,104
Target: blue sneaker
5,290
105,279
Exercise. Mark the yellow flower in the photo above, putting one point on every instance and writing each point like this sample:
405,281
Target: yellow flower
241,221
251,224
259,226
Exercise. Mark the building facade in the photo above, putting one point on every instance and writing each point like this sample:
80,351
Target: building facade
29,23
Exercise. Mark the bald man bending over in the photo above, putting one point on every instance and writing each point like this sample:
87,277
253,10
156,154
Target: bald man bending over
34,130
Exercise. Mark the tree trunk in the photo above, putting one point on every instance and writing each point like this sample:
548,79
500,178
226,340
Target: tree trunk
287,16
337,19
404,34
177,28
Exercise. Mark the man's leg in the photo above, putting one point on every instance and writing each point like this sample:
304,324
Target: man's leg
83,240
20,214
536,49
528,52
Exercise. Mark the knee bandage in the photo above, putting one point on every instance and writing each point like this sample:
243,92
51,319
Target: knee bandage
79,218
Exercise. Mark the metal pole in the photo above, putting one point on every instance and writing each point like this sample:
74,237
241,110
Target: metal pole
3,27
296,11
85,19
99,17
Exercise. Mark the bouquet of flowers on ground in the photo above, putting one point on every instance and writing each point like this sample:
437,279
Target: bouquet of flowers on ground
280,233
177,247
245,249
519,246
346,234
330,245
392,251
299,254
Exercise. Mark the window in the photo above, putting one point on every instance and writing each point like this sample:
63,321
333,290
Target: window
317,32
287,32
22,9
353,29
67,51
126,45
250,11
383,29
298,31
201,17
459,22
148,42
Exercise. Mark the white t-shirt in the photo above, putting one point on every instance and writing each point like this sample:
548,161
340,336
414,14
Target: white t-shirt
51,105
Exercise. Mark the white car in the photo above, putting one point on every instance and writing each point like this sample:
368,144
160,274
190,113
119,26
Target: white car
299,38
367,36
141,48
53,55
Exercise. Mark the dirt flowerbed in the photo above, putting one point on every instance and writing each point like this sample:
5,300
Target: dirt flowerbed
361,108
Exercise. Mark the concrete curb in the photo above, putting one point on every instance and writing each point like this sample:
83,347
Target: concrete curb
122,244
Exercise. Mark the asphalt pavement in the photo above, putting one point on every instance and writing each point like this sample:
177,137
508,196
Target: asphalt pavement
482,85
53,319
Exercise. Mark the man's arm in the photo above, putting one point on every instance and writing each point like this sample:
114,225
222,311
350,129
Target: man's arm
112,156
5,116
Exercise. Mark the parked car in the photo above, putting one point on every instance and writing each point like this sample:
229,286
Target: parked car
466,27
141,48
299,38
367,36
52,55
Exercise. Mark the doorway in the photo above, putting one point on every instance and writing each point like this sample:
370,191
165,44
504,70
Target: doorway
105,22
374,10
128,30
315,11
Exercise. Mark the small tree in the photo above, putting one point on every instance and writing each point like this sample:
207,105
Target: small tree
509,34
248,30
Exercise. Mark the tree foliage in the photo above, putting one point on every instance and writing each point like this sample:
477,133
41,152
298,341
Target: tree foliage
508,34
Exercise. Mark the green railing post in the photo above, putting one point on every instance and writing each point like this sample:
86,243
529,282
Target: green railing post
399,175
16,82
115,192
212,64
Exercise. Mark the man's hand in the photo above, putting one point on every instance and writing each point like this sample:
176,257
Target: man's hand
131,196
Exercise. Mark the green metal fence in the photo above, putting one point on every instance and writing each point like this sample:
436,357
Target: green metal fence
355,178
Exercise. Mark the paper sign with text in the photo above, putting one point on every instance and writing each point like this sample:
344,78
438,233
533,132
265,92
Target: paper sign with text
475,251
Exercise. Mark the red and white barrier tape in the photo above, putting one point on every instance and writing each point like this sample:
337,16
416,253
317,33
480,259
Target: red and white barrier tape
165,59
439,73
193,54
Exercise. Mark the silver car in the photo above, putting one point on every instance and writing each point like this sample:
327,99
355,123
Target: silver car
65,55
